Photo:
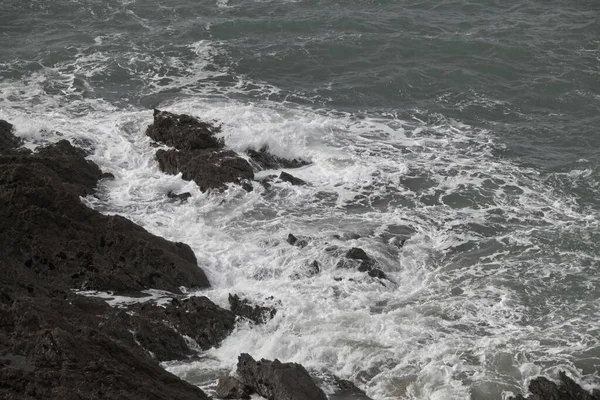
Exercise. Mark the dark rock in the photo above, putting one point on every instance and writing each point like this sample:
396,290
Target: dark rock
456,291
285,177
198,154
160,330
347,236
183,132
55,344
377,273
108,176
275,380
51,236
356,253
230,388
262,159
544,389
294,241
68,162
210,169
243,308
182,197
8,141
61,351
291,239
314,268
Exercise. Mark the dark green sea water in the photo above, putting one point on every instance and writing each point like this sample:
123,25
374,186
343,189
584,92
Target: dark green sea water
470,128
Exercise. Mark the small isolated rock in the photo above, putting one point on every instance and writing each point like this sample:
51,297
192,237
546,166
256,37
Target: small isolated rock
456,291
356,253
314,268
181,196
230,388
243,308
294,241
285,177
107,176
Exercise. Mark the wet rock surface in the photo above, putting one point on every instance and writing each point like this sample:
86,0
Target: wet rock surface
198,154
243,308
230,388
342,388
275,380
544,389
357,258
55,344
54,348
263,160
8,141
285,177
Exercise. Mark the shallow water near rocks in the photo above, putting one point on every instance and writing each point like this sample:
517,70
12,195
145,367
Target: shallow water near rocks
468,129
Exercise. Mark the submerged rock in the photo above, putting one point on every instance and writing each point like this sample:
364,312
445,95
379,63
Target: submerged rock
358,258
182,197
198,154
342,388
275,380
566,389
243,308
262,159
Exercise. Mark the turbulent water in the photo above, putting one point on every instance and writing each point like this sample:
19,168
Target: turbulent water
469,128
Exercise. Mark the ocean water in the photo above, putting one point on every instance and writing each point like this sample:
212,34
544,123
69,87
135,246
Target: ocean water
469,128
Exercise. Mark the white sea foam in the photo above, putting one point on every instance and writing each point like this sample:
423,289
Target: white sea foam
461,318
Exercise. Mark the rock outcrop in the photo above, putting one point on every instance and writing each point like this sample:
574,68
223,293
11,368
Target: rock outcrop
358,258
544,389
243,308
48,234
197,153
275,380
55,344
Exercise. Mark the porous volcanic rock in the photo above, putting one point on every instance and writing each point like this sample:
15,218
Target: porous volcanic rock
243,308
275,380
55,344
48,234
55,347
197,153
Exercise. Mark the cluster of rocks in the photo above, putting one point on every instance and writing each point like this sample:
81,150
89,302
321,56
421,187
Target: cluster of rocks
57,344
275,380
200,155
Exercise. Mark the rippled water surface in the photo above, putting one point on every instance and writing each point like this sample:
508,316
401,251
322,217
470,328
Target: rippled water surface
469,128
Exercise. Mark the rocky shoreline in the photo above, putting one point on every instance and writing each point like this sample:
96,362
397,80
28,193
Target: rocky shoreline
58,344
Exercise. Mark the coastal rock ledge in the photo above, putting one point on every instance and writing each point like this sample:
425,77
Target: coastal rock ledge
56,344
